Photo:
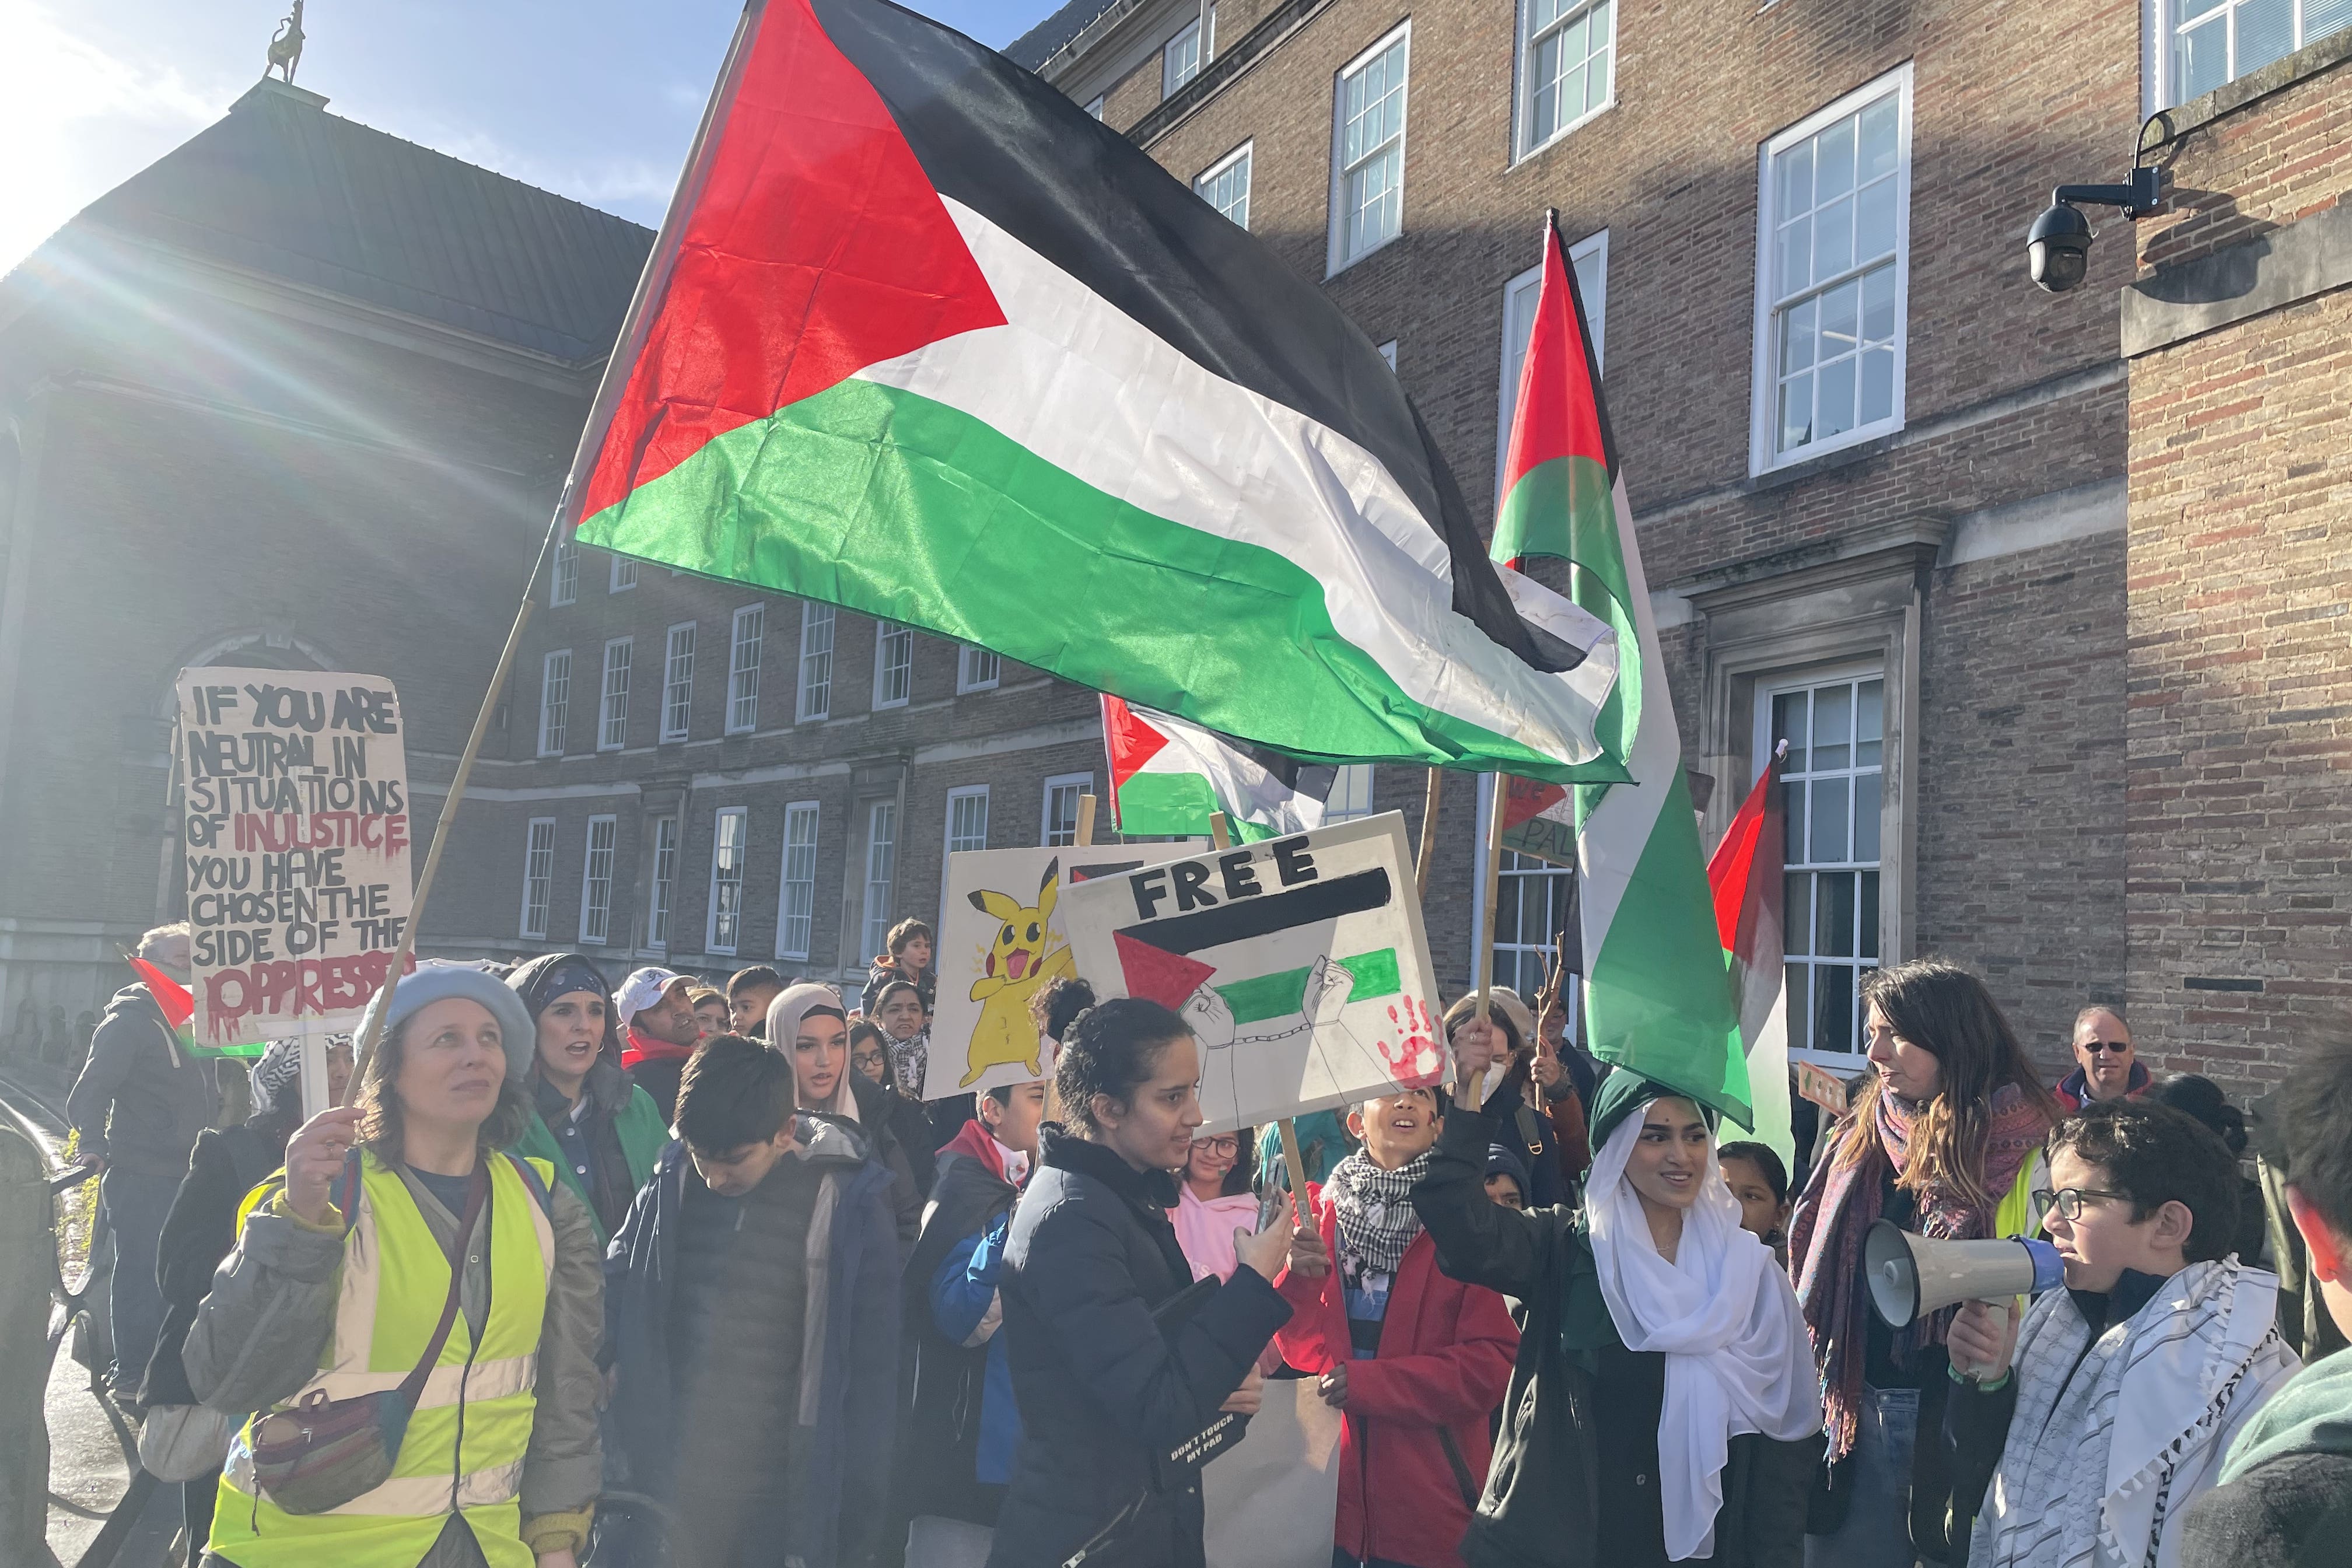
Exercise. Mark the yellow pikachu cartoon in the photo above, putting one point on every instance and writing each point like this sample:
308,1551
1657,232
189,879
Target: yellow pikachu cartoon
1018,965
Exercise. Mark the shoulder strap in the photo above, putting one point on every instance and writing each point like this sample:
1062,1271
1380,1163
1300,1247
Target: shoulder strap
345,1193
412,1387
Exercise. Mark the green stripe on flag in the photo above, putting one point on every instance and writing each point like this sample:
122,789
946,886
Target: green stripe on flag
1565,508
1277,995
898,506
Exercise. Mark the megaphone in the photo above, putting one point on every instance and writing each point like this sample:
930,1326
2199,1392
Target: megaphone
1911,1276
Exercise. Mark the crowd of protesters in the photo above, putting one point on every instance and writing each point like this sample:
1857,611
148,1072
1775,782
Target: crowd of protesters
673,1275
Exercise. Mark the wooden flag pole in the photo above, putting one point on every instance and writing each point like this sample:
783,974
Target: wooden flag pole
1477,1093
370,1038
1086,833
1220,834
1427,855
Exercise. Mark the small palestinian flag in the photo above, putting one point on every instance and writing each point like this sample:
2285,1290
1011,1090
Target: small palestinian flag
1745,874
1658,996
1167,776
923,339
179,1005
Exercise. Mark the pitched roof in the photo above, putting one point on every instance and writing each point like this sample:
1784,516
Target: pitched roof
282,187
1046,40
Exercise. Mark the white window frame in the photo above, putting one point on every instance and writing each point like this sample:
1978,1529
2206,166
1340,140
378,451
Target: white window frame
743,651
623,574
797,814
1516,871
719,846
657,909
1242,156
1522,79
538,846
595,911
956,797
1349,774
677,689
1592,248
1172,77
1337,258
2160,25
885,633
1764,371
882,834
1082,785
564,575
1388,353
977,670
815,620
1854,672
554,710
612,696
1095,105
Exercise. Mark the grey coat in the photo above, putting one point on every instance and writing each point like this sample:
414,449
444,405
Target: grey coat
141,1100
260,1334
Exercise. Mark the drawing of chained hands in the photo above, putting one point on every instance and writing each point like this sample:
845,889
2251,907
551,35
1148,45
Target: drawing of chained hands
1412,1058
1210,1019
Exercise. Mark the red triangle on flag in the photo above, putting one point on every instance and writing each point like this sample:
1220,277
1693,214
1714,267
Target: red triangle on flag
178,1004
1529,799
1166,978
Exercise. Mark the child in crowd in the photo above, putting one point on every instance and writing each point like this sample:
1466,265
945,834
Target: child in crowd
963,1427
1506,1175
909,959
1757,1179
1417,1361
2286,1495
751,1313
1213,1199
2129,1384
749,992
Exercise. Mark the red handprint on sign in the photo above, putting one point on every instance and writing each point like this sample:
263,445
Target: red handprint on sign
1411,1058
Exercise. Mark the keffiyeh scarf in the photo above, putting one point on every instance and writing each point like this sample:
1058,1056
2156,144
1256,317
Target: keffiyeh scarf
1373,1210
1841,1201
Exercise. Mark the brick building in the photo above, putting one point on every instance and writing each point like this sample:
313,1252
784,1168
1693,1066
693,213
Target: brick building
2238,797
298,395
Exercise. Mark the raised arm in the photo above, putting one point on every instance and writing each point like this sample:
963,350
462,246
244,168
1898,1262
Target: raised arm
1480,1242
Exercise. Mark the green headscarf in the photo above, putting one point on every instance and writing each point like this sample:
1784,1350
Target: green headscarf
1624,1091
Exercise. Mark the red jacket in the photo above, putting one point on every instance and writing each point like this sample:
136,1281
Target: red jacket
1444,1360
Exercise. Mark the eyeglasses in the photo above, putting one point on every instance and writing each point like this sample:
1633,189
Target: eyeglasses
2067,1202
868,1059
1228,1146
2118,1046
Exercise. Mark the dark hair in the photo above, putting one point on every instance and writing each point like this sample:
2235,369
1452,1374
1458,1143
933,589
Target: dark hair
734,1092
882,997
754,974
2201,1097
381,1125
1766,1161
866,1027
905,931
2313,1110
2156,1154
1944,1010
1109,1049
1058,1005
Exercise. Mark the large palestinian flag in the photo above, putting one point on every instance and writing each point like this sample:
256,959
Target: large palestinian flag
921,338
1657,994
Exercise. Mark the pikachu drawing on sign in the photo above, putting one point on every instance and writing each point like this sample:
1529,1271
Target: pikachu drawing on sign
1018,965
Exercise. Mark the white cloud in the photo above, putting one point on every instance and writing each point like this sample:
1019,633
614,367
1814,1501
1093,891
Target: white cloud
78,119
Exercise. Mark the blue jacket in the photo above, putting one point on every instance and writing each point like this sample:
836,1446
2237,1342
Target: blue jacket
964,1307
836,1511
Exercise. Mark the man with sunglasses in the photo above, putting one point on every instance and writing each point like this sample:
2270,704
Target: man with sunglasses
2088,1425
2109,1069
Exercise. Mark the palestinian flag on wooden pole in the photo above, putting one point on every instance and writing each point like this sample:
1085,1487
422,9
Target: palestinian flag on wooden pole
1744,873
1657,996
921,338
1167,777
179,1008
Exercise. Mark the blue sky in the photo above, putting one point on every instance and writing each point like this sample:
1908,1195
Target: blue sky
595,98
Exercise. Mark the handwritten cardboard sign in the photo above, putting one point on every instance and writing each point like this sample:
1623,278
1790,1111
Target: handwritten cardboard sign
296,847
1300,963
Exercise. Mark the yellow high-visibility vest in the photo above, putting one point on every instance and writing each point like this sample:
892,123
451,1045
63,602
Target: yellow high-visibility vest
464,1448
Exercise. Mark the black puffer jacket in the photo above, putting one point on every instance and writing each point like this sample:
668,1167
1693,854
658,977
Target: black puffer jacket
160,1097
198,1233
1105,1395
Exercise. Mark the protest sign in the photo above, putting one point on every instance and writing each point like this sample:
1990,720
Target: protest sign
1539,820
1270,1498
1001,943
296,847
1299,962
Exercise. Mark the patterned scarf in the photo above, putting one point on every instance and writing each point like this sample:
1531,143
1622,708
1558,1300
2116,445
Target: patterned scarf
1841,1201
1373,1210
909,1060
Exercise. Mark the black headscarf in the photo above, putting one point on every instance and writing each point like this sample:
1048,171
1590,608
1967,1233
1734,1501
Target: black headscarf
545,978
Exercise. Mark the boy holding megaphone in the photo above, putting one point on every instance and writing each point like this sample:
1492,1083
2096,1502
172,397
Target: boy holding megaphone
2088,1423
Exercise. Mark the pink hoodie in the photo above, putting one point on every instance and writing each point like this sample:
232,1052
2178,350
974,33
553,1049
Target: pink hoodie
1204,1229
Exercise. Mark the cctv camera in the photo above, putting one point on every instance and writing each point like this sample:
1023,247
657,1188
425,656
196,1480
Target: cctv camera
2058,247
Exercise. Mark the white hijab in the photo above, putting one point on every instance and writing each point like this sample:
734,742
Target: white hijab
1726,1317
784,1015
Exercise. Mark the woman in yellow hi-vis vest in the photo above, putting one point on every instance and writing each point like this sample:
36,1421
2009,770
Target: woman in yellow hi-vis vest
343,1282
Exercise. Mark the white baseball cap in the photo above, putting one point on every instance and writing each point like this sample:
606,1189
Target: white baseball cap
642,989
